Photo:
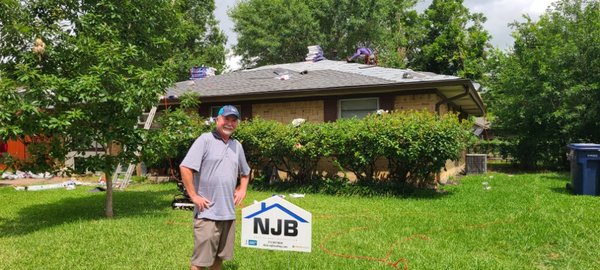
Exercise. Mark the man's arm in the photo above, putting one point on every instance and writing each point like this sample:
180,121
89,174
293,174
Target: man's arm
240,191
187,179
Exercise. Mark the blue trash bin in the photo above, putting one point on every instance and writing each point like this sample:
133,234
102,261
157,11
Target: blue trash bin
585,168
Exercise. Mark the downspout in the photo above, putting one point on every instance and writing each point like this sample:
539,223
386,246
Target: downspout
449,100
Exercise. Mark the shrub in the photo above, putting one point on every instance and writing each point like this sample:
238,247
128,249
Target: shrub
295,150
418,144
262,142
356,145
179,127
494,147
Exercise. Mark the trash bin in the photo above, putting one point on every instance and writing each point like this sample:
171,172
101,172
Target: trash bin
585,168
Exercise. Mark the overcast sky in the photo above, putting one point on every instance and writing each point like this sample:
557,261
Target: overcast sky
499,14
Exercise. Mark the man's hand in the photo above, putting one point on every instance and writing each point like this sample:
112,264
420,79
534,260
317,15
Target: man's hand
201,202
239,196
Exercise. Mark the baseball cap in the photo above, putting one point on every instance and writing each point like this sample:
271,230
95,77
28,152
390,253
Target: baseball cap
228,110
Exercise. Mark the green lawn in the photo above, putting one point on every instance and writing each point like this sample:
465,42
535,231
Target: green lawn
523,222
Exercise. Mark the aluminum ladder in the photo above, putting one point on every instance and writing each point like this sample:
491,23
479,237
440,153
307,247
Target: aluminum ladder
147,123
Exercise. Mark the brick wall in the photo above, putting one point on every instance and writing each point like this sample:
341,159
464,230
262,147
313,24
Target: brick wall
285,112
418,103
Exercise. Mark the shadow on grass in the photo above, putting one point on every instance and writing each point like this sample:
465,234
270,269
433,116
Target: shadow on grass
562,190
510,168
560,176
340,187
86,207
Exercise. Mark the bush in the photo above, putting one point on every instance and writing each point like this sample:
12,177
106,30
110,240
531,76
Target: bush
356,145
415,144
418,144
494,147
179,127
294,150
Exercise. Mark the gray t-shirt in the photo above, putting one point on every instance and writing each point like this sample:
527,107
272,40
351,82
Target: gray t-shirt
216,166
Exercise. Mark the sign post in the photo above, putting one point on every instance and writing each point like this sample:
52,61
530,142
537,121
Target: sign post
276,224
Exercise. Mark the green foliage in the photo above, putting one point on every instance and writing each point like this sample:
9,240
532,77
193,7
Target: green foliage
447,39
495,147
356,144
273,31
545,92
454,41
76,74
261,141
305,146
416,144
276,31
179,127
295,150
95,66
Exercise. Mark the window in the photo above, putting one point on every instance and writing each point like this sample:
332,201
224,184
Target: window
358,107
214,110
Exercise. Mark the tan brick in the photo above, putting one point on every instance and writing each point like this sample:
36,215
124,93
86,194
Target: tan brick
418,103
285,112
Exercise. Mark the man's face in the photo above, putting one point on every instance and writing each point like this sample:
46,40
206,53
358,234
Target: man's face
227,124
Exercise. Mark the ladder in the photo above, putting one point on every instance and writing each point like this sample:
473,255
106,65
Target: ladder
147,123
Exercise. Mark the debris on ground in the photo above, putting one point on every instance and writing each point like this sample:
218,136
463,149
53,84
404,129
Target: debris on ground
21,175
68,185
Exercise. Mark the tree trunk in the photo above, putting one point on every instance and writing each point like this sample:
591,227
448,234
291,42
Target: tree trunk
109,195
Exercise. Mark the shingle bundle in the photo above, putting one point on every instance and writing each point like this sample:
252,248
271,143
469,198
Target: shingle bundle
315,53
197,73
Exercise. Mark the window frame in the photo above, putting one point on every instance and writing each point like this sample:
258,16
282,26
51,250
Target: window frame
354,99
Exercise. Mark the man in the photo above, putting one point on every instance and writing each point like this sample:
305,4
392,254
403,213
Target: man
366,54
209,172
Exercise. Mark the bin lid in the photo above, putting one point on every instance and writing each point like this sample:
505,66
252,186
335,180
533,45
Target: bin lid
584,146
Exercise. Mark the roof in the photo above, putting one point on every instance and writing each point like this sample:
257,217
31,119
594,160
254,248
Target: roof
328,77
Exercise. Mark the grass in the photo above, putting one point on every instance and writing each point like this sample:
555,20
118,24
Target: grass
525,221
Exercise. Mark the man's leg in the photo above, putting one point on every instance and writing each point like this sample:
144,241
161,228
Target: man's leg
205,244
217,264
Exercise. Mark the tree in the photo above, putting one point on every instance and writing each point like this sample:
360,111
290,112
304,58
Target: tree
546,91
276,31
273,31
454,42
78,73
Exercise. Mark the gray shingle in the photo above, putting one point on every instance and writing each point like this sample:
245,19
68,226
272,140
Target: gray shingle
264,81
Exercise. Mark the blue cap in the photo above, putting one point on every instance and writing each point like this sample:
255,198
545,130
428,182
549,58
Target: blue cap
228,110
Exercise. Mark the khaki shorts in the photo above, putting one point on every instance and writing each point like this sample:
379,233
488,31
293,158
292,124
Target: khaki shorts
212,239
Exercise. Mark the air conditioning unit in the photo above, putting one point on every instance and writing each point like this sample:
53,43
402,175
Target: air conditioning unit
476,163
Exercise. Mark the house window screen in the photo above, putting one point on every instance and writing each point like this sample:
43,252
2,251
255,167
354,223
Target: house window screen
358,107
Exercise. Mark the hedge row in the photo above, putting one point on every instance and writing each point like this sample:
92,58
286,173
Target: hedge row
415,144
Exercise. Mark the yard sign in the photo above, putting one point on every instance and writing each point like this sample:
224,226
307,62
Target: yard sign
276,224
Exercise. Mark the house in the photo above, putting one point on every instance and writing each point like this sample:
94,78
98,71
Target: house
16,149
327,90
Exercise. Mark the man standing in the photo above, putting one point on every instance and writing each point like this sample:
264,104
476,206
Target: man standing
209,172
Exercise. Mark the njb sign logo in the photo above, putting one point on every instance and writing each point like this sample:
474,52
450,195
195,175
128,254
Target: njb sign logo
276,224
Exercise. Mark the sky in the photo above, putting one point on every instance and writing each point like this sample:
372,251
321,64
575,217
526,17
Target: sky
499,14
